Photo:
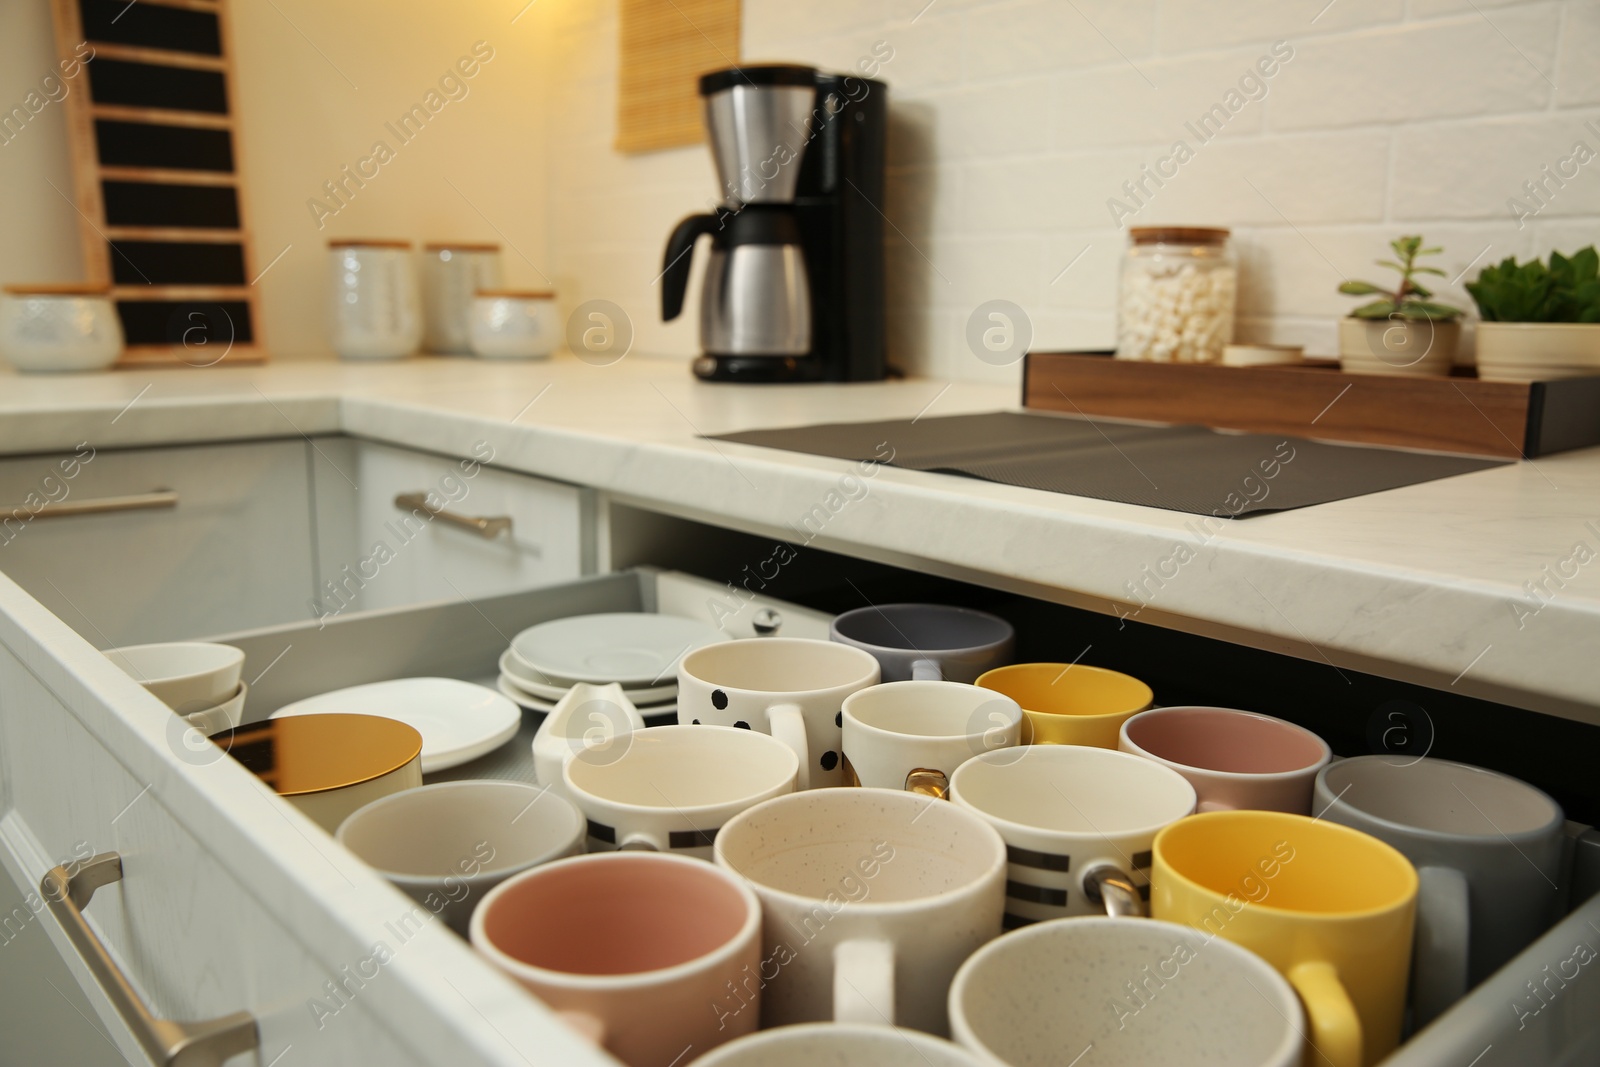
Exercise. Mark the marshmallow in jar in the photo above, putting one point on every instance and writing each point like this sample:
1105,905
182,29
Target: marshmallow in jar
451,273
374,299
1177,295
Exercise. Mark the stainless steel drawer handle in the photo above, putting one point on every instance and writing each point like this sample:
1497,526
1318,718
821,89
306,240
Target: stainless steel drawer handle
169,1043
485,526
155,498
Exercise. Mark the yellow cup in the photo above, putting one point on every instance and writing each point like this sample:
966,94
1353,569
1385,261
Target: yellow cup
1331,908
1070,704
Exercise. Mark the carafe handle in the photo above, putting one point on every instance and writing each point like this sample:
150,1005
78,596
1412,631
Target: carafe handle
677,260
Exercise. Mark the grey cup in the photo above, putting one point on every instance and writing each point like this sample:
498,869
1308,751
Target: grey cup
1487,848
927,642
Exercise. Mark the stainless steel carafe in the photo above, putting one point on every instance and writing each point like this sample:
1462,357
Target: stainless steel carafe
756,300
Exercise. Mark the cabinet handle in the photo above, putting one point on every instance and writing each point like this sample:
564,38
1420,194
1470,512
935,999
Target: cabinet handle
155,498
168,1043
485,526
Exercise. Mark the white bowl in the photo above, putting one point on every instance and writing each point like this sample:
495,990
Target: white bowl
504,324
224,716
187,676
54,332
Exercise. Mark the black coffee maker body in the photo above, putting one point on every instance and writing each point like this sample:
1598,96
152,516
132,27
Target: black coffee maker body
794,286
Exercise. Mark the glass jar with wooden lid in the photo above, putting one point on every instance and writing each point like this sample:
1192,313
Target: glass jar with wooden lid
1176,299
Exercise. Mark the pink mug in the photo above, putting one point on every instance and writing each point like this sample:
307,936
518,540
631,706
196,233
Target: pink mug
632,949
1234,759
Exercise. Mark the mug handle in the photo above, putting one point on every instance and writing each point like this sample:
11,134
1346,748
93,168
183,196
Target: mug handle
926,670
927,782
863,982
1335,1026
641,841
1439,969
788,724
1114,890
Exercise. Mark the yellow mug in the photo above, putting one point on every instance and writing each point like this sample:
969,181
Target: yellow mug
1068,703
1330,908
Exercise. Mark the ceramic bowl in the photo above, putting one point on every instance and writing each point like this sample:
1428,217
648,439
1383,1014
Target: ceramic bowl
185,675
513,324
224,716
59,328
1537,351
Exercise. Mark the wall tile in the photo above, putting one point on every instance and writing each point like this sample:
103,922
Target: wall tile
1474,169
1467,66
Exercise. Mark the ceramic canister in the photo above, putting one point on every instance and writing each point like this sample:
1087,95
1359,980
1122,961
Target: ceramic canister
373,294
451,273
59,327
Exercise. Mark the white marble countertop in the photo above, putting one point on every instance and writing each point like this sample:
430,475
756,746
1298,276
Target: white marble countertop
1434,583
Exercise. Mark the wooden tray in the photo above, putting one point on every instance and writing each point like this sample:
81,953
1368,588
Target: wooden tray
1517,420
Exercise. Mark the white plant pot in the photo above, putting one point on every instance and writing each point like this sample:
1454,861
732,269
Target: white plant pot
1538,351
1413,348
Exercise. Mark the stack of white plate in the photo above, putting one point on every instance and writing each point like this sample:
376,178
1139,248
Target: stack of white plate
637,650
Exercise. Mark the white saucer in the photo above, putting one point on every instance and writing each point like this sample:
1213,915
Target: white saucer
458,721
637,648
518,675
510,688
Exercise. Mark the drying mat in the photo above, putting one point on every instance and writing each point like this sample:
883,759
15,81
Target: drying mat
1179,468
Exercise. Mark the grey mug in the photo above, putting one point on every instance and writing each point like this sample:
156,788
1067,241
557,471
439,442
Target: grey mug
1488,853
927,642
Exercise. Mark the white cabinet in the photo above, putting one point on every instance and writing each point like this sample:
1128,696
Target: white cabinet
460,530
161,543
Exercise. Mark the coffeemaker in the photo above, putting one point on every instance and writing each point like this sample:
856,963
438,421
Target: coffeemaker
793,288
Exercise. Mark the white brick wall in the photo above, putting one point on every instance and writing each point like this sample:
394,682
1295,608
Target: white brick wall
1014,121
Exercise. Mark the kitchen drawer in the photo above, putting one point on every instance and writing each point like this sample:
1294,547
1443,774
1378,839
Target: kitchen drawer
233,552
231,899
401,556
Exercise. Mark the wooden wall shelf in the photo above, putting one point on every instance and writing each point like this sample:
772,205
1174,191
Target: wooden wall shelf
1458,414
156,177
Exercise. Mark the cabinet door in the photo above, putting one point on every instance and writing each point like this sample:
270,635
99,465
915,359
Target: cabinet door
233,552
404,556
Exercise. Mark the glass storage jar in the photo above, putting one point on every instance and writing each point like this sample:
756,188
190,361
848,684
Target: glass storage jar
1175,303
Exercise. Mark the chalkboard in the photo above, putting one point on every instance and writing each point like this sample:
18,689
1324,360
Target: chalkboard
156,175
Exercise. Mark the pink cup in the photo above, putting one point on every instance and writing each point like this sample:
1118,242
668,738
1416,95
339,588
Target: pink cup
635,950
1234,759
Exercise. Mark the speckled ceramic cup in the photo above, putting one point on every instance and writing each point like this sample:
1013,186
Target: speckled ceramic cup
1137,991
871,898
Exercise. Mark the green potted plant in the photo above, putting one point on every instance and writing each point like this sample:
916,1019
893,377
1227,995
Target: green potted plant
1404,331
1540,320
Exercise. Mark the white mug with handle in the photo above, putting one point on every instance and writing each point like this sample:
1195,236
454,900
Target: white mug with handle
792,688
871,899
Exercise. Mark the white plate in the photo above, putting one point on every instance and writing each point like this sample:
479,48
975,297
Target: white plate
517,675
458,721
638,648
510,688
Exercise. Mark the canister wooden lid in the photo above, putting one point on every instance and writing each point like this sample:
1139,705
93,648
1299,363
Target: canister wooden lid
461,246
301,754
1177,235
365,242
60,289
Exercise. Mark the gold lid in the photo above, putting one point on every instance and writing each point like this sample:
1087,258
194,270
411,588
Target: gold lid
1177,235
461,246
518,294
60,289
366,242
301,754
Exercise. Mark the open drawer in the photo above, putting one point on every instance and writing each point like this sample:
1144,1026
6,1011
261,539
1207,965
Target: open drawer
230,900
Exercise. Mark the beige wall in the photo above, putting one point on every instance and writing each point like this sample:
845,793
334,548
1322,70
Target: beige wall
1014,123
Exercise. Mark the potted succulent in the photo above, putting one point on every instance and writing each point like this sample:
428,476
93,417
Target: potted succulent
1539,321
1404,331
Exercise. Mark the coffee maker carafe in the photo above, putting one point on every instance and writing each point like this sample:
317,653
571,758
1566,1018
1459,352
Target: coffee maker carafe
793,288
